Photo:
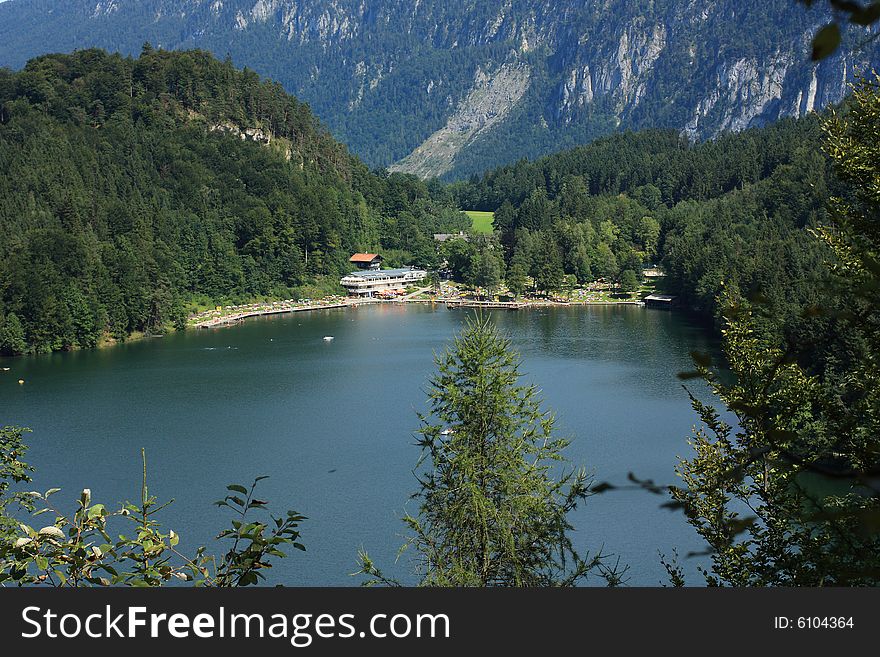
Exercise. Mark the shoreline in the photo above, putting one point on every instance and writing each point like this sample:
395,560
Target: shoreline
277,308
280,308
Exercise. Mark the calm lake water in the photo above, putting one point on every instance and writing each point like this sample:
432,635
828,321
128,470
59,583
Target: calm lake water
332,423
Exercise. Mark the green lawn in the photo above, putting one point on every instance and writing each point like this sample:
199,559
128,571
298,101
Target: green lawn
481,221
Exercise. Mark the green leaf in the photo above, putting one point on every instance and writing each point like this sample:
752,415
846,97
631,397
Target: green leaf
826,41
236,488
748,409
866,16
701,359
781,435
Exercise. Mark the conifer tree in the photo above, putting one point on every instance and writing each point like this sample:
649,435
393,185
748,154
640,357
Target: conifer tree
788,494
494,495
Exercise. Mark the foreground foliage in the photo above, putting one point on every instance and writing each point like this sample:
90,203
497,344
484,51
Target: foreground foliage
788,494
97,546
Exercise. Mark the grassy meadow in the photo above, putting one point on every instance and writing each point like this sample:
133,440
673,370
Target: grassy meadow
481,221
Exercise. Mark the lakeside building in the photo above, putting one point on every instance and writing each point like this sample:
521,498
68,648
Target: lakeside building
367,283
661,301
445,237
370,261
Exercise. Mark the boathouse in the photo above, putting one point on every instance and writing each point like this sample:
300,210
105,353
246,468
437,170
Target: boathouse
366,283
661,301
370,261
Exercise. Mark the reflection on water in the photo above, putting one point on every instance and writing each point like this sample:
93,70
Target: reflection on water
331,421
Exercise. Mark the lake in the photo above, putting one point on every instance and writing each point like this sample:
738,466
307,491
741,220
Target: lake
332,423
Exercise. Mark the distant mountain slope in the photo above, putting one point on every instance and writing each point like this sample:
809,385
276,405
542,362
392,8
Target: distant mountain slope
408,81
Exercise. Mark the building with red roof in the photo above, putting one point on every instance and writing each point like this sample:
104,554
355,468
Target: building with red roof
366,260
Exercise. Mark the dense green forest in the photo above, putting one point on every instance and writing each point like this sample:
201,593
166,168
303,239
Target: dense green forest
787,494
733,212
132,187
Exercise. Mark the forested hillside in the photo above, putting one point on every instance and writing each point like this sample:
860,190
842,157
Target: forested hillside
452,88
733,213
130,187
134,187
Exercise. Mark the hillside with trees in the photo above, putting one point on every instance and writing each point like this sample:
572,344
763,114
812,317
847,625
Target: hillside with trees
135,188
736,212
786,494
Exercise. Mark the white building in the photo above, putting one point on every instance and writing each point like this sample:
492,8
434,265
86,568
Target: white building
367,282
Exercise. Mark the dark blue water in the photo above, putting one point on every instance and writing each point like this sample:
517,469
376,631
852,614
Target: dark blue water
331,423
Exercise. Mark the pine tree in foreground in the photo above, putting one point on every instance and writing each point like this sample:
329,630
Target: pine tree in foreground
495,494
789,494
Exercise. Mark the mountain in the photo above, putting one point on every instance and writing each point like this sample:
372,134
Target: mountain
134,190
451,87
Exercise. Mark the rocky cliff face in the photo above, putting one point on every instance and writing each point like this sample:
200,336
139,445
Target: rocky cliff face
450,87
710,83
490,100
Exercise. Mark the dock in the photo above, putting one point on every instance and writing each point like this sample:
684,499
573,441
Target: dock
470,303
661,301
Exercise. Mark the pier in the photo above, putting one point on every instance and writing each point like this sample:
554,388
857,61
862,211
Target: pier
661,301
470,303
